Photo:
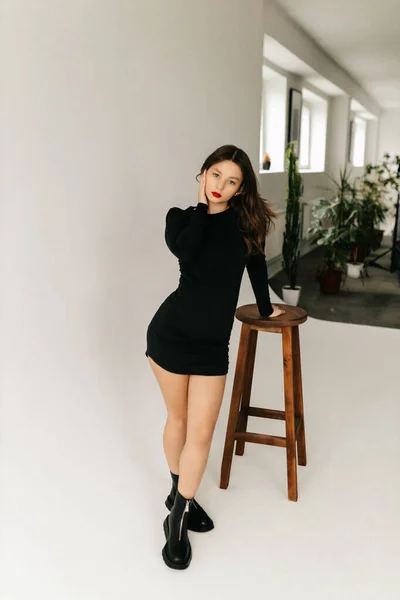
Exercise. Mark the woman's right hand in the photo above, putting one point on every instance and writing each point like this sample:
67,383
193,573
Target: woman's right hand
202,188
277,311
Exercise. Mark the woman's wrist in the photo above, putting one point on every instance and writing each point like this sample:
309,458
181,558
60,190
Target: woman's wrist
269,310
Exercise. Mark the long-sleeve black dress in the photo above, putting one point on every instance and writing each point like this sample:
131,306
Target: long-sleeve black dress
190,332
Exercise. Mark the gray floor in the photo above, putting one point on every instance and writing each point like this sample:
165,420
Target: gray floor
372,300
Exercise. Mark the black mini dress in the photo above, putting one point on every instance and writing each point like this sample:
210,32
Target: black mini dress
190,332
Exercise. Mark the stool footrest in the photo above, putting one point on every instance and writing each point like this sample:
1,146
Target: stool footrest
261,438
265,413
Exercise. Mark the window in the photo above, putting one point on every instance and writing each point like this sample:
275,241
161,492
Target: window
357,138
273,121
305,137
314,120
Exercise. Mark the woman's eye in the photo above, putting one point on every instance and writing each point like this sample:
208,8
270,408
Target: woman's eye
232,182
215,174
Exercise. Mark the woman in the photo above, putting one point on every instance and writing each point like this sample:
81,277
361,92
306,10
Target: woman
188,337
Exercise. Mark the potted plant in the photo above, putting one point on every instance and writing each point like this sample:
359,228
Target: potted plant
357,240
266,163
291,236
326,230
347,217
331,228
355,269
375,188
330,275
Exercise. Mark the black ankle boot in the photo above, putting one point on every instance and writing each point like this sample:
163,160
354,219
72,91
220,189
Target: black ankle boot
177,552
171,498
198,519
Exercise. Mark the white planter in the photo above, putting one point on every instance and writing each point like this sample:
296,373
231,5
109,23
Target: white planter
290,296
354,270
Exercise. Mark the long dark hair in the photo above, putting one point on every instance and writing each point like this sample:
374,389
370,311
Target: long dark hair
255,217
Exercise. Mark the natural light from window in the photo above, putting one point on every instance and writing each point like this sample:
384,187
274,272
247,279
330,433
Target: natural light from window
273,121
305,137
314,121
357,142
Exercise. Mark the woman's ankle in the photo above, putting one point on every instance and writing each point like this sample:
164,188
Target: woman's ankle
185,493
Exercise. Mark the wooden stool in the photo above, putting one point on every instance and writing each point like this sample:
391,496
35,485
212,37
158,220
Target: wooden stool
288,325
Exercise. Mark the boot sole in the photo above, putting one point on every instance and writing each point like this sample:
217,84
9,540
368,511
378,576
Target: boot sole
167,560
168,504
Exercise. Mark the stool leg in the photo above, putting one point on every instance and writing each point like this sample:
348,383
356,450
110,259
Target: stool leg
235,404
247,383
289,413
298,398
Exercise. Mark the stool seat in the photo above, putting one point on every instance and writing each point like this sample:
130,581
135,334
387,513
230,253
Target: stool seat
287,325
293,316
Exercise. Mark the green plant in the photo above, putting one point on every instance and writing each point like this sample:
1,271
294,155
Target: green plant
348,220
291,236
334,220
328,229
375,189
345,193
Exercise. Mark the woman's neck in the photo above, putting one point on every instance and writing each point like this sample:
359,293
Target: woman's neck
212,209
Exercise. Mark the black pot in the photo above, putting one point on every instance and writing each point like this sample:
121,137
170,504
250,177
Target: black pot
266,165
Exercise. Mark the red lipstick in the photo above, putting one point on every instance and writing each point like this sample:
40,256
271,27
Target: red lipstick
216,194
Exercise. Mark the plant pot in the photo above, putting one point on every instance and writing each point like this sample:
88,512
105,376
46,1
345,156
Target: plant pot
291,295
357,254
354,270
330,282
266,165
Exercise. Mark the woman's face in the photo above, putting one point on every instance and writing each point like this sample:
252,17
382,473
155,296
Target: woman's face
223,181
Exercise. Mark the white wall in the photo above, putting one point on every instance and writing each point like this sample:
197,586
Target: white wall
371,146
109,109
389,132
338,133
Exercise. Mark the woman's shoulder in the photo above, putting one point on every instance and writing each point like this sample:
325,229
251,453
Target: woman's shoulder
177,211
177,216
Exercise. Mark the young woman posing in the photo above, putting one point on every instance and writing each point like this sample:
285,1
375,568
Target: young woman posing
188,337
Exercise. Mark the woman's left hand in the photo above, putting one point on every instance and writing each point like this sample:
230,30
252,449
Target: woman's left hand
277,311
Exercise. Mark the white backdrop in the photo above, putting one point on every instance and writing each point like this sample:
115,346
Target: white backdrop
108,111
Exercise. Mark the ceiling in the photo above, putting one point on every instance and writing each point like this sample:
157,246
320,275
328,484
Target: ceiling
362,37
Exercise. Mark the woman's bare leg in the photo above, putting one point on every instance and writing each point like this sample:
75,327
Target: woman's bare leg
205,394
174,389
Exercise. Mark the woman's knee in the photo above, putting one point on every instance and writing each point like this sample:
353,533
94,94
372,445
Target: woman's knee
177,420
200,436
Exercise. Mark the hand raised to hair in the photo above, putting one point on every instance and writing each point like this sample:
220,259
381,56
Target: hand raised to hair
202,188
